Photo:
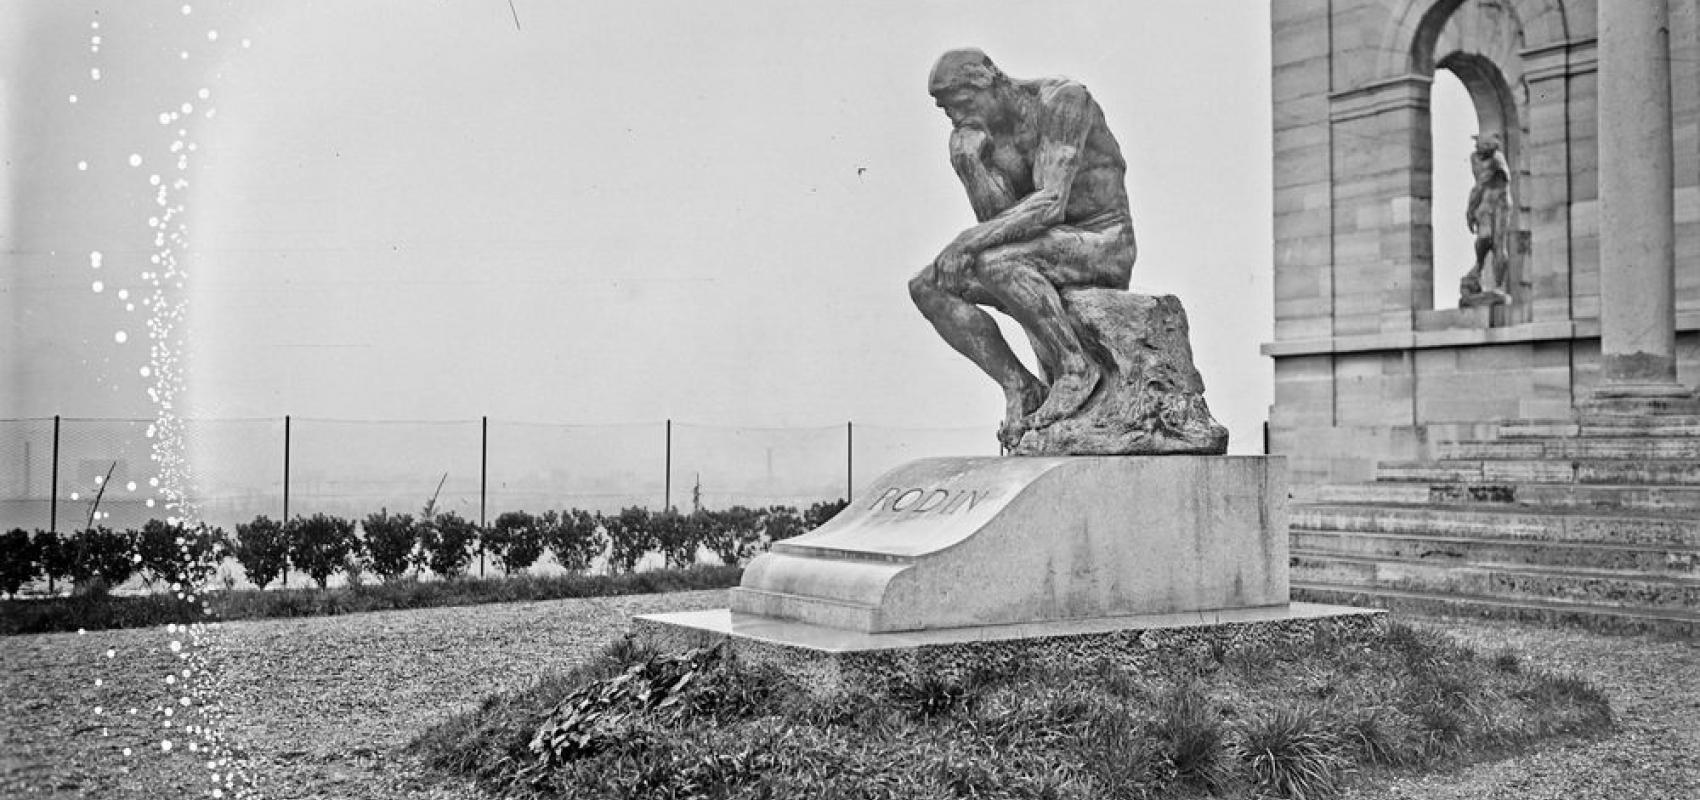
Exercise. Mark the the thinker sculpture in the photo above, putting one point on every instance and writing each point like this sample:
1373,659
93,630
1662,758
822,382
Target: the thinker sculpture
1489,218
1054,249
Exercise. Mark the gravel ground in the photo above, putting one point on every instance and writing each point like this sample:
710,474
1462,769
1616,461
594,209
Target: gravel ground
318,708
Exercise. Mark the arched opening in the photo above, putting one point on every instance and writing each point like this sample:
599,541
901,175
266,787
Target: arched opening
1469,96
1452,121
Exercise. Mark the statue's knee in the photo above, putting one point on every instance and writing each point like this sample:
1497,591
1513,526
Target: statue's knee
922,287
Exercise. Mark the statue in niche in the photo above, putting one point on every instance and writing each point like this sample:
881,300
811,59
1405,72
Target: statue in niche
1489,218
1054,249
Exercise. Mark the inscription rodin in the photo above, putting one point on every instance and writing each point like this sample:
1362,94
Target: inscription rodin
928,500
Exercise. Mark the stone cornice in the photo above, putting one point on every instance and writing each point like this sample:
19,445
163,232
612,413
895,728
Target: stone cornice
1380,97
1687,321
1560,60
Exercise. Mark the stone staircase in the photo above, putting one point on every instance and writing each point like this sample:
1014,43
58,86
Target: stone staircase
1593,522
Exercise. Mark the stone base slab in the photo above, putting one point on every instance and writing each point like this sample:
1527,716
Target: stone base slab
1640,399
831,660
964,542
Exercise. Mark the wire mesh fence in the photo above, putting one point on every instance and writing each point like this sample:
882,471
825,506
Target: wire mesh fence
52,469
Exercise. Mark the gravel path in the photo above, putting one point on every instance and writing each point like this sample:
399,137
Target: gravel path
317,708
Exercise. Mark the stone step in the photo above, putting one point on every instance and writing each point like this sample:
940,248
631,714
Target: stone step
1604,447
1599,497
1463,550
1598,618
1604,425
1509,524
1671,472
1515,582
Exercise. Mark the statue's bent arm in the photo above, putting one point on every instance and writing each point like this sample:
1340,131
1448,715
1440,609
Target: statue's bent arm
988,192
1064,124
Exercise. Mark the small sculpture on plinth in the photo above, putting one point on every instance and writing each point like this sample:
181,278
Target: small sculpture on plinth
1489,218
1054,249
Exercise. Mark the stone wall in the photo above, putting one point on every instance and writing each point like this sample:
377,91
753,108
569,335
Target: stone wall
1364,368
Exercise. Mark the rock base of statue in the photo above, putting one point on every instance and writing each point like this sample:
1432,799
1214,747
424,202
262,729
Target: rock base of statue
1151,398
954,542
1472,294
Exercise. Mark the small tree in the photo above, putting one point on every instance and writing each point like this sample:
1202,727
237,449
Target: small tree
157,545
781,522
262,548
819,513
18,560
629,538
734,533
446,541
178,555
391,542
102,559
320,545
575,537
678,536
55,556
516,541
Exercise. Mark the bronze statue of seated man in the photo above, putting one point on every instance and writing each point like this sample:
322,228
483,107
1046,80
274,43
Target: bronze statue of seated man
1046,180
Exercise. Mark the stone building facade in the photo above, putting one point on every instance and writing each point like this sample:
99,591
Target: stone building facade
1366,369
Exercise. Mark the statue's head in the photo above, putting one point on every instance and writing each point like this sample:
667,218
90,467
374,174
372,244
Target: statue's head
965,84
1487,142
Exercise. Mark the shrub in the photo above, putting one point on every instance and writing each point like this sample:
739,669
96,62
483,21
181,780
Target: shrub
262,548
818,514
574,536
18,560
446,540
516,541
630,537
176,555
391,542
319,545
734,533
781,522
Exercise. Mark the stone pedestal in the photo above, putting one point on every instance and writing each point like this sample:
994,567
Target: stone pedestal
956,563
960,542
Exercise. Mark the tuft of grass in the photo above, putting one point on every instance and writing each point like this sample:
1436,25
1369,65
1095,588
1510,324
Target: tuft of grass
1294,753
1193,737
56,614
1380,736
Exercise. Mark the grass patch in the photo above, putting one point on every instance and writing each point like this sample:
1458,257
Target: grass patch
102,611
1288,720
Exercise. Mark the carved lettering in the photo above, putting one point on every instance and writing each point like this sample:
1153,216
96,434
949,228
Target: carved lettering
925,500
938,494
883,496
897,505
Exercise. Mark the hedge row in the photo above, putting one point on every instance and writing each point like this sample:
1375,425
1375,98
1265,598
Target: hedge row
392,545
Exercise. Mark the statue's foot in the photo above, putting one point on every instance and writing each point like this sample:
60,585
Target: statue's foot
1069,392
1017,405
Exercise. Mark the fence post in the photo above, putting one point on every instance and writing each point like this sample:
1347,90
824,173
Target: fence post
667,477
286,422
849,461
53,497
483,485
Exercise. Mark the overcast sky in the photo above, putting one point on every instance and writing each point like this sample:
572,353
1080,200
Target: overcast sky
601,211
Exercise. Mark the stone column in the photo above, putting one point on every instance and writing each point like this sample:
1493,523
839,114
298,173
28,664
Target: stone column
1637,230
